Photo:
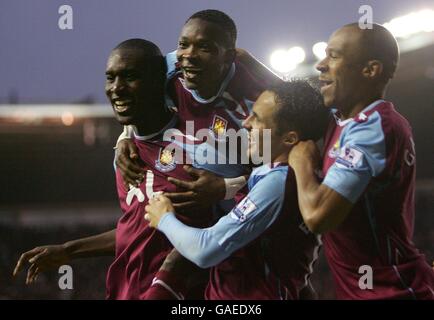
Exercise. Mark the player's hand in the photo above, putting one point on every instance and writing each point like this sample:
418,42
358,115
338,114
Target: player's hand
157,207
206,188
304,152
41,259
128,162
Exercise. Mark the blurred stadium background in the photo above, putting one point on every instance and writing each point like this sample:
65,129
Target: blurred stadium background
57,174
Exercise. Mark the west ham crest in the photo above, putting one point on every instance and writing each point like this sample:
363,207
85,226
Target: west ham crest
219,126
166,160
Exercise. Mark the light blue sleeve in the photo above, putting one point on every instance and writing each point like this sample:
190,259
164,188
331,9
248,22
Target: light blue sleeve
361,157
249,219
171,63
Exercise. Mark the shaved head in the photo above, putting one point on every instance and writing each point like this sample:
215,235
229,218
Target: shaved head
377,43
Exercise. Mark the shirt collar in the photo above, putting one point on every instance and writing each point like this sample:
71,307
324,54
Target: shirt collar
169,125
342,123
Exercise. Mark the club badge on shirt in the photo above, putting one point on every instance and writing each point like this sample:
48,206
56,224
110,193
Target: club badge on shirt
349,158
219,126
166,160
243,209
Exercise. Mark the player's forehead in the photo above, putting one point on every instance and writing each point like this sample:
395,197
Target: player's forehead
201,30
265,105
344,40
125,59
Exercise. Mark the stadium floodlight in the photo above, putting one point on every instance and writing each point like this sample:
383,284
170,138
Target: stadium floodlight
67,118
297,54
319,50
282,61
415,22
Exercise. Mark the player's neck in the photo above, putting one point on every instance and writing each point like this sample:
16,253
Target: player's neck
281,158
354,109
213,89
158,124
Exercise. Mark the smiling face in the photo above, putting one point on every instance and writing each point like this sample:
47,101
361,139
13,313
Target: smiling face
204,56
341,71
262,118
127,85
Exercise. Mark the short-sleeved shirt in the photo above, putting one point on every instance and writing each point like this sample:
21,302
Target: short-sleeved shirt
370,160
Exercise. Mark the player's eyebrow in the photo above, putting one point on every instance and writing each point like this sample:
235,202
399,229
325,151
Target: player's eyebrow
333,50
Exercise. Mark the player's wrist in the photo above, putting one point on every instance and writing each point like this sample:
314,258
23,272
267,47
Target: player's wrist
164,217
69,249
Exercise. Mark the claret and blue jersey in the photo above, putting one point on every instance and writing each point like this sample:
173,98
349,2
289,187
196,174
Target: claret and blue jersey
370,160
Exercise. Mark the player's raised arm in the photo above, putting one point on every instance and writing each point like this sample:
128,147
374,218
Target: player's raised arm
257,68
322,208
50,257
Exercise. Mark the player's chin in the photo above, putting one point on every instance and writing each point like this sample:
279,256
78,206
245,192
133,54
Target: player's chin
125,120
329,101
192,84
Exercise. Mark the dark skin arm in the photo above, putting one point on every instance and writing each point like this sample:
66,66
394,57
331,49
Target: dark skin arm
322,208
184,269
205,189
129,163
51,257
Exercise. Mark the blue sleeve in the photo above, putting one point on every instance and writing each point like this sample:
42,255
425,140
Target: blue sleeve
361,157
249,219
171,60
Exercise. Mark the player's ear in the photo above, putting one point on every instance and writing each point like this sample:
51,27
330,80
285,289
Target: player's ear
291,138
373,69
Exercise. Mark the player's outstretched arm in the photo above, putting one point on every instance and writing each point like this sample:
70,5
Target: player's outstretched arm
45,258
208,247
322,208
257,68
128,162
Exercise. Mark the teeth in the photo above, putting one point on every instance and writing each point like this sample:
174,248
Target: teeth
121,108
121,103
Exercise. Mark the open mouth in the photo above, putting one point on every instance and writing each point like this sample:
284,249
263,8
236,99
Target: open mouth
191,72
325,84
121,106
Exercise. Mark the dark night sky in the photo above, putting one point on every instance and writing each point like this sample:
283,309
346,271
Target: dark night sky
41,63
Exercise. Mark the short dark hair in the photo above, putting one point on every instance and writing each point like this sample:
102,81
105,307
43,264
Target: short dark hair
152,58
222,20
148,48
300,108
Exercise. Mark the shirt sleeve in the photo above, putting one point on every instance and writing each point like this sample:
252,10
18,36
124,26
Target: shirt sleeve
127,133
361,157
249,219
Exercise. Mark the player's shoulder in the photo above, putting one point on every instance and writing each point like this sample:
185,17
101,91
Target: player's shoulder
270,175
171,64
380,116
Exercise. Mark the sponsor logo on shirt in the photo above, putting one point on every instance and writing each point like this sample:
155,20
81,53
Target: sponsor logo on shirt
334,151
243,209
349,158
166,160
